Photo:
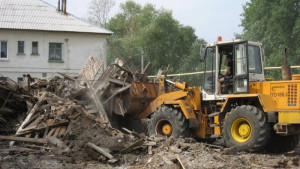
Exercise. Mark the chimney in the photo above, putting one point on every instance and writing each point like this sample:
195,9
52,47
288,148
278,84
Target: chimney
65,7
58,5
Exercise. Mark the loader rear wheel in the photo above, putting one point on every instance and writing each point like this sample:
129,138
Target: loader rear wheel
282,144
247,128
168,122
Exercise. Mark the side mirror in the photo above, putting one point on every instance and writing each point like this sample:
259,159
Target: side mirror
202,54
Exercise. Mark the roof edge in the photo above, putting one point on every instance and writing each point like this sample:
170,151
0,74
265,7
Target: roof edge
109,32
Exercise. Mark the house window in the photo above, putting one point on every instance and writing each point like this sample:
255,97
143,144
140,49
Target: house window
3,50
55,51
35,47
20,47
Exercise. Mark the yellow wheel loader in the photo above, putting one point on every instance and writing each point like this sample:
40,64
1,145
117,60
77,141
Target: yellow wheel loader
251,113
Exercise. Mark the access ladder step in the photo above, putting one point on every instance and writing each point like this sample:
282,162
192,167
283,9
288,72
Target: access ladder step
214,125
214,136
213,114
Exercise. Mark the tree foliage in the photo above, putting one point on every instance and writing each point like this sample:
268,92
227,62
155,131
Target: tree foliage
155,33
277,25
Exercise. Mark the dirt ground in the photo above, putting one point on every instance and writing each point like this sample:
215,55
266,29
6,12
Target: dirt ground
167,153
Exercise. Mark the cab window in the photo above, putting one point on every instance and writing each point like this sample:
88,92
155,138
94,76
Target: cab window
210,70
254,59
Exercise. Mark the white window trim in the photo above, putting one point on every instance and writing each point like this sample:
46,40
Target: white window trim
4,59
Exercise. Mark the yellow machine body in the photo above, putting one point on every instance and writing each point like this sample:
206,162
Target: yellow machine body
284,94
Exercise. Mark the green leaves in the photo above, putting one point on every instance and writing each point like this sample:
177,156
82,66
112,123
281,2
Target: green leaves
277,25
162,38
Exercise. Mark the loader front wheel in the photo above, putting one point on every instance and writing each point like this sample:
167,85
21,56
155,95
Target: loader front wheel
168,122
246,128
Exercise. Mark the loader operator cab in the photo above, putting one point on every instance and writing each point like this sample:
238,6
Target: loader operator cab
247,66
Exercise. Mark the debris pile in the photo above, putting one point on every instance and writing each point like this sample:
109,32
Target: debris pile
13,98
68,112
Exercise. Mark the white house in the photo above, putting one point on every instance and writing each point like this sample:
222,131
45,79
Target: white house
39,39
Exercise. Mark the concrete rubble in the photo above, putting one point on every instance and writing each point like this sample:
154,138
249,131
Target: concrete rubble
74,122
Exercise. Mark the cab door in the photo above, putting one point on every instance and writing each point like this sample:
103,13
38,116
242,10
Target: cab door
241,68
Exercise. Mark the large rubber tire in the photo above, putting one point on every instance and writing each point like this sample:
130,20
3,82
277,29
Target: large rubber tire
282,144
254,120
172,117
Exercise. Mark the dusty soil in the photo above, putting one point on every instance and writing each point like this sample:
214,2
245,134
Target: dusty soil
192,155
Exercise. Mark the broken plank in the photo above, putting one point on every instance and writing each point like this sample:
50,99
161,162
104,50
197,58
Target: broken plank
119,82
62,131
150,143
18,149
91,68
131,132
100,150
180,162
43,128
56,131
118,91
150,150
23,139
132,146
67,76
46,132
30,120
167,161
32,112
117,53
51,132
102,113
146,69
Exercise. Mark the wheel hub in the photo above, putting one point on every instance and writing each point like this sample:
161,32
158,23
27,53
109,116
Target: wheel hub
164,127
167,129
244,130
241,130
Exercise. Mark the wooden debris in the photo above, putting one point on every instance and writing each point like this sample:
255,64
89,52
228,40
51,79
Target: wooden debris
100,150
150,150
91,68
149,143
132,132
167,161
180,162
23,139
102,113
30,114
132,146
147,68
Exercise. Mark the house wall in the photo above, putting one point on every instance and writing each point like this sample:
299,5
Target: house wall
76,48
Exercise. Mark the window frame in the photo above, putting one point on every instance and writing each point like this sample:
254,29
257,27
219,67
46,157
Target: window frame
37,53
19,53
258,68
61,52
6,49
211,72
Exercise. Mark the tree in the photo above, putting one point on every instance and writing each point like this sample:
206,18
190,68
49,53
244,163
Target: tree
277,25
99,11
163,40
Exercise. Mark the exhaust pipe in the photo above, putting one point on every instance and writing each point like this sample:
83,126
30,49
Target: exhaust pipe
285,68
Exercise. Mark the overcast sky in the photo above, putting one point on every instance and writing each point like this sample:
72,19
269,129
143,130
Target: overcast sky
210,18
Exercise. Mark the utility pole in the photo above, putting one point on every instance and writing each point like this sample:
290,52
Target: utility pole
142,60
